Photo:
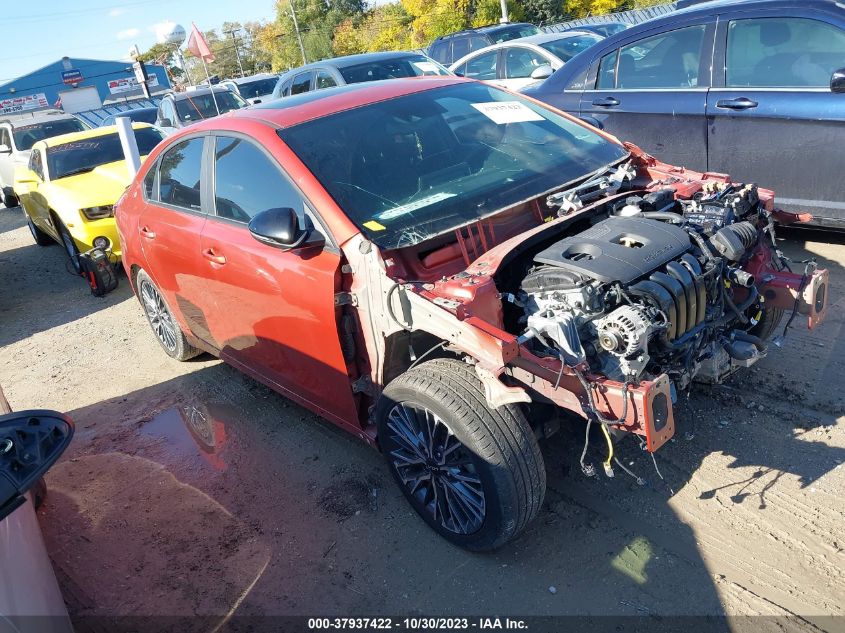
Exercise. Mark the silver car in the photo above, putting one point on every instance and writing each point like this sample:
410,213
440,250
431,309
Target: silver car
353,69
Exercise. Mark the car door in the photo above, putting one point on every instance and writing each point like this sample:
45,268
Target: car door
275,315
170,228
772,117
652,91
33,193
517,64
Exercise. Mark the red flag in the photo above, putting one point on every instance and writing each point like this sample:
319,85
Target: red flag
198,46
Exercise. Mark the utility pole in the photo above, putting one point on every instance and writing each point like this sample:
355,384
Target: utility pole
298,36
237,52
504,4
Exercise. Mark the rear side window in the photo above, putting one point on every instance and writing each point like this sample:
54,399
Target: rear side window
607,72
149,183
248,182
439,52
477,42
521,62
460,47
482,67
325,80
783,52
179,175
301,83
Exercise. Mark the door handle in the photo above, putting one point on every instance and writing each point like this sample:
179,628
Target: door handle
150,235
742,103
213,257
606,102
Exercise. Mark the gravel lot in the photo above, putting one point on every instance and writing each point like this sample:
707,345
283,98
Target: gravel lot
191,489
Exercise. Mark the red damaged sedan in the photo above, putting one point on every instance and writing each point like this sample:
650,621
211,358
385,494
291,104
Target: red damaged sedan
440,266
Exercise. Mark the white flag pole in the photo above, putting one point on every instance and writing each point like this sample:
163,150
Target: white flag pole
210,87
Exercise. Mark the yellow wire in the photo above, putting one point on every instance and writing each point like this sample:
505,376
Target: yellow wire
609,446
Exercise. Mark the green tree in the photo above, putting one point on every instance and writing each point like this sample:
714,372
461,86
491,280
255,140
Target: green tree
490,12
164,54
583,8
543,11
433,18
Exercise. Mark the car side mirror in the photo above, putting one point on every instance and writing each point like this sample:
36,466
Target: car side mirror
278,227
30,443
165,123
837,81
542,72
5,149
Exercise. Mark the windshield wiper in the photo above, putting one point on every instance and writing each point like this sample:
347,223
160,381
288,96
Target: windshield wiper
605,182
74,172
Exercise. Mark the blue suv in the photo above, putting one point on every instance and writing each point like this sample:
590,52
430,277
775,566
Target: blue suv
755,89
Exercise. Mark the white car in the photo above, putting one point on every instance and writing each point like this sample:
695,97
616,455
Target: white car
30,599
18,133
516,64
255,88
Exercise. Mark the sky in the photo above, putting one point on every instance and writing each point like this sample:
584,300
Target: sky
38,33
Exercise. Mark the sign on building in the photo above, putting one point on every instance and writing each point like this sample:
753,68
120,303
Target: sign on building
72,76
127,84
23,103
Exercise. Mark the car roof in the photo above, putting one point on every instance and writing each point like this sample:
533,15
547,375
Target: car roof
251,78
707,7
200,90
542,38
490,28
72,137
290,111
354,60
34,117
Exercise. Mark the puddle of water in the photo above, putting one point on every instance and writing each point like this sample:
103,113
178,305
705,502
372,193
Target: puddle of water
190,431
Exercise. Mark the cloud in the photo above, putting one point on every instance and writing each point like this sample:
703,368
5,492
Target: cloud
117,11
128,34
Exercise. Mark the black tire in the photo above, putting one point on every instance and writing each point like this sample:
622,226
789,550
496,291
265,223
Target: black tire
10,199
69,245
771,317
40,237
166,329
497,455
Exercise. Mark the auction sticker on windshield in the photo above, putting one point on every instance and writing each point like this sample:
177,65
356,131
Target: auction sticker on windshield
502,112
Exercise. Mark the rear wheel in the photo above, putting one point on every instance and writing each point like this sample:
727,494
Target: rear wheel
164,326
473,473
40,237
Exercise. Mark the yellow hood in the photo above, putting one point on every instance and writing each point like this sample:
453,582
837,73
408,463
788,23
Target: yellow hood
99,187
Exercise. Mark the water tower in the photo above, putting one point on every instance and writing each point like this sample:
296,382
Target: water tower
173,35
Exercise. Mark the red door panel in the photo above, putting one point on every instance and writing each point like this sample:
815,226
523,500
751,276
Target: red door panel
274,316
170,242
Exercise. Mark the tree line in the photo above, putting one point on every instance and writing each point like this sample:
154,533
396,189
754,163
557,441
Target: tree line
329,28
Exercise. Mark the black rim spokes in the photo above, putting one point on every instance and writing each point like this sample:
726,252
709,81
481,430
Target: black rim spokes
158,315
436,468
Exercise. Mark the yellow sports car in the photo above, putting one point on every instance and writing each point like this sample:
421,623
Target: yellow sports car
71,183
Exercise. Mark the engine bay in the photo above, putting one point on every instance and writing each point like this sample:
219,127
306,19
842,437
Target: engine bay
657,286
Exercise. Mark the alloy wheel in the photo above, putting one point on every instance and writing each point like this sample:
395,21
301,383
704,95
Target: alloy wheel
436,468
158,315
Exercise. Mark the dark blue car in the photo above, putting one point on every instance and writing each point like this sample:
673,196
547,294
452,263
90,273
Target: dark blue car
755,89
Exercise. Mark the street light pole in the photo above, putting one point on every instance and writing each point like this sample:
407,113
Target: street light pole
237,51
504,4
298,36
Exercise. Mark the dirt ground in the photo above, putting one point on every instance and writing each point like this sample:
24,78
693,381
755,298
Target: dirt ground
191,489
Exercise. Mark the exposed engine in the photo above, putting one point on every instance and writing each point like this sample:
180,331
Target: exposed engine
656,287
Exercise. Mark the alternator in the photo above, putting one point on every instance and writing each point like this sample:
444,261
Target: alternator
623,337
